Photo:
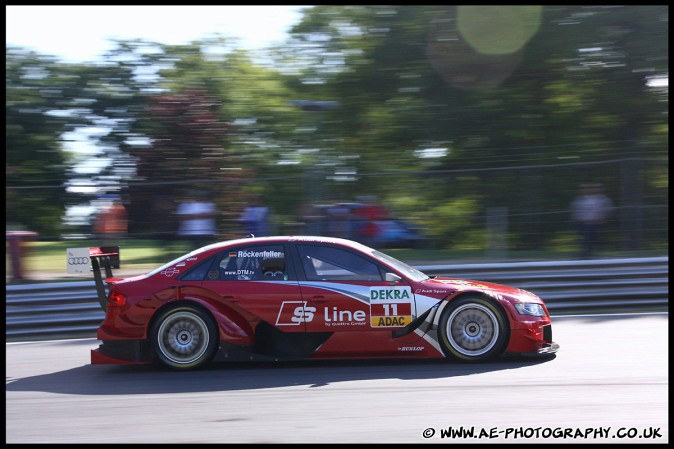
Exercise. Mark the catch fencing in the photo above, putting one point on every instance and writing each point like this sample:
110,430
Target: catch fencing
71,309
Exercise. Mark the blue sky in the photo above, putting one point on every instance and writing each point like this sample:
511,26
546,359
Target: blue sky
82,33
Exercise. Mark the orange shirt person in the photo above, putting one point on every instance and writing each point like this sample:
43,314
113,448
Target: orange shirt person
112,222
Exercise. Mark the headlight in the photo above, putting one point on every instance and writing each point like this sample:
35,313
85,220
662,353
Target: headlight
529,308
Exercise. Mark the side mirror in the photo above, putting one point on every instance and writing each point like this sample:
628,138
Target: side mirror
392,278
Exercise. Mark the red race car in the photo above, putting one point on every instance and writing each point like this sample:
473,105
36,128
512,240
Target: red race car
290,298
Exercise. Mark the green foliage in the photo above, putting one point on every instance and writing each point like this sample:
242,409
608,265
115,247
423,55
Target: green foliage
443,112
35,167
451,220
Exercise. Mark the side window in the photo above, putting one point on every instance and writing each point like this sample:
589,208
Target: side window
199,272
322,263
253,263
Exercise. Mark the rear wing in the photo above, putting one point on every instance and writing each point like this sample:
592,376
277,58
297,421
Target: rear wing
103,258
107,258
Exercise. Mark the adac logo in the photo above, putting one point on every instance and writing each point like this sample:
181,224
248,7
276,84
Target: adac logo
294,313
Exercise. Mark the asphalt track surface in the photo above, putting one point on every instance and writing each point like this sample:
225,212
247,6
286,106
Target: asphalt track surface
608,384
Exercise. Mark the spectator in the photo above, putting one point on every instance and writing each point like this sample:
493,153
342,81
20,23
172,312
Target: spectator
590,211
197,220
112,222
254,218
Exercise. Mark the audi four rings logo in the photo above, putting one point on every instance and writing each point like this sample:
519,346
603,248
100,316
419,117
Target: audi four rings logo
77,260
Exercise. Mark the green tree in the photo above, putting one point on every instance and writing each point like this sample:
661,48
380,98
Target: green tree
572,89
220,124
444,112
35,166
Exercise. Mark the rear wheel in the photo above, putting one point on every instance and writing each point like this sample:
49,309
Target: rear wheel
473,329
184,337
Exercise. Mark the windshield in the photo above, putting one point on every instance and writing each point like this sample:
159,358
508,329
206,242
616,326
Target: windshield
409,271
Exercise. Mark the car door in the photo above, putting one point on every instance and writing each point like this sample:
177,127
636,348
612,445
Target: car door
260,279
346,291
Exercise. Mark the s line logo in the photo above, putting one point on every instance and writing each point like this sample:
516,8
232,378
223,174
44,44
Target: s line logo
294,313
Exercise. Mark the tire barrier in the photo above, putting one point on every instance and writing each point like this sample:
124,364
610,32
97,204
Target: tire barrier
71,309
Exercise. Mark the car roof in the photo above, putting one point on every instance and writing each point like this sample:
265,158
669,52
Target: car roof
289,238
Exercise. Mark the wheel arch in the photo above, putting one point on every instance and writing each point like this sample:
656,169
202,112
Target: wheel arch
470,293
232,327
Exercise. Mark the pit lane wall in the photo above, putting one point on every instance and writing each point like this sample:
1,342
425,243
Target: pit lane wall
71,310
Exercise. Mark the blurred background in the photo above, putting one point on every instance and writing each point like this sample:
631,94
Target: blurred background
466,129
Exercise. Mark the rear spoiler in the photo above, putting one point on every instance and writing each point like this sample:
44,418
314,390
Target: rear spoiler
84,260
107,258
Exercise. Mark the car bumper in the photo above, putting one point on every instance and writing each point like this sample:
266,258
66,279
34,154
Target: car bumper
545,349
532,337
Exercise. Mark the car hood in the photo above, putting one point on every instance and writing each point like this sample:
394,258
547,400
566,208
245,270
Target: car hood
454,284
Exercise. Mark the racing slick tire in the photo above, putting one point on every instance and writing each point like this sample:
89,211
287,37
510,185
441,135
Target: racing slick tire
184,337
473,329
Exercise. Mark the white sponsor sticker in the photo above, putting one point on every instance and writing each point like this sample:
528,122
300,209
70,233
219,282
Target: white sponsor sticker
77,260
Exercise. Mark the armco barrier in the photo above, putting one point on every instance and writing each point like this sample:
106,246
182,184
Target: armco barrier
71,309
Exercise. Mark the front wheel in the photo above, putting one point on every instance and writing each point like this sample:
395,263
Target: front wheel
473,329
184,337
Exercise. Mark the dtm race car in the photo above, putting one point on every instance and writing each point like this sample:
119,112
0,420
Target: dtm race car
293,298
